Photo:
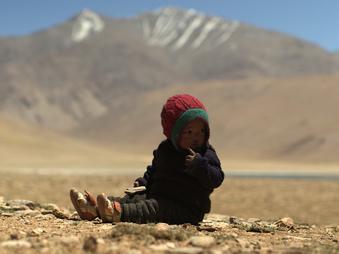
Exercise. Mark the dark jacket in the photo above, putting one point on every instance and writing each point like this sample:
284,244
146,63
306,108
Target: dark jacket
168,177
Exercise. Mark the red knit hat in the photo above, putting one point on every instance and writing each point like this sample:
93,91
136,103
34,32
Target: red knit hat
178,111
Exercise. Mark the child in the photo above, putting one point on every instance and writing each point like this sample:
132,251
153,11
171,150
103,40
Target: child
184,171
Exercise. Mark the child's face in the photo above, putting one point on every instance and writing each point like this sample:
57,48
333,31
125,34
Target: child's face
193,135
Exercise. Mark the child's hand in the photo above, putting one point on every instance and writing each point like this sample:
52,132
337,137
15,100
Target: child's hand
189,158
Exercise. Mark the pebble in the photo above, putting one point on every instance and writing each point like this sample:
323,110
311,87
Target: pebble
133,251
186,250
162,247
7,214
202,241
93,244
285,222
162,226
61,214
70,240
19,235
36,232
21,244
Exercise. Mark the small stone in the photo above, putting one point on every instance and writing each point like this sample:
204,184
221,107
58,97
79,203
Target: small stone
18,235
285,222
36,232
7,214
70,240
202,241
186,250
16,244
162,227
75,216
61,214
235,220
93,244
159,247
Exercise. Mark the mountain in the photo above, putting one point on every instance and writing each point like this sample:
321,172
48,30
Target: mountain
77,71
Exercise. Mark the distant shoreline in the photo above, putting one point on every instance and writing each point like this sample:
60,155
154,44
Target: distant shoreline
255,174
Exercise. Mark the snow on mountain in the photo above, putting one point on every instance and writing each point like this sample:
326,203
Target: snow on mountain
86,24
176,29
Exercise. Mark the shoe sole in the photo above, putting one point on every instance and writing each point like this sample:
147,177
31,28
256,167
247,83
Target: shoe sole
83,215
101,204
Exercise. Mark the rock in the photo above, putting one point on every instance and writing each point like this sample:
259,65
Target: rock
36,232
19,235
234,220
133,251
75,216
285,222
162,247
162,226
22,202
202,241
61,214
159,247
7,214
93,244
186,250
70,240
12,209
16,244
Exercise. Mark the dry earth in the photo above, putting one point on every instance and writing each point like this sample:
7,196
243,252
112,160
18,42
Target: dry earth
34,227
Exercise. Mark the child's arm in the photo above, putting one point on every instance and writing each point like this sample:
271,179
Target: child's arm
207,169
147,178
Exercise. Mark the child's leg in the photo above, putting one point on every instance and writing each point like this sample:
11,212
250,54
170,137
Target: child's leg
147,211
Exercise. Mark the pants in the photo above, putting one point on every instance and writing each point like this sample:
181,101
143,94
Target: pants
138,208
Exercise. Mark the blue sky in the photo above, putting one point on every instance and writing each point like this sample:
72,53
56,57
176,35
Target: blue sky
316,21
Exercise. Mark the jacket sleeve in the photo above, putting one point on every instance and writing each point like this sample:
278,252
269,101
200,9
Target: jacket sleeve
148,175
207,169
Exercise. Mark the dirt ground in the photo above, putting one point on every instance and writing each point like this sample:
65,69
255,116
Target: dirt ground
306,201
312,204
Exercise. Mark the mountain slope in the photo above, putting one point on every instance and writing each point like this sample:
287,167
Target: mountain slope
258,119
23,146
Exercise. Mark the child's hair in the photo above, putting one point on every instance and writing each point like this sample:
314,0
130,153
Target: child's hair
178,111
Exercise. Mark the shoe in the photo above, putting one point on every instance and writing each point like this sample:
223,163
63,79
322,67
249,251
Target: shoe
84,204
109,211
